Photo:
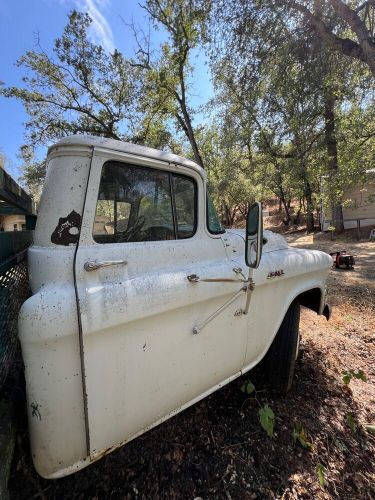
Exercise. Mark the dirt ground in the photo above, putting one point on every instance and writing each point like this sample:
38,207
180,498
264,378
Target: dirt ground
217,448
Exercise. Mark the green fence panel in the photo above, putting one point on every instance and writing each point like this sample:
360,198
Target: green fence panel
13,242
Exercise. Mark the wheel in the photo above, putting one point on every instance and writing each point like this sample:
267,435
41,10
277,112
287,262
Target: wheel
281,357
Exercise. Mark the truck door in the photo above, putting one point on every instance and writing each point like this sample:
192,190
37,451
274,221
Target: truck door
143,233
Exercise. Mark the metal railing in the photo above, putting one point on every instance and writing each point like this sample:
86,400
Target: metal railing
357,220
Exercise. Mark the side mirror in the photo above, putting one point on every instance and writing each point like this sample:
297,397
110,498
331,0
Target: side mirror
254,235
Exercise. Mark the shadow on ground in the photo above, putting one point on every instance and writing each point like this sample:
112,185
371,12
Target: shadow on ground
217,449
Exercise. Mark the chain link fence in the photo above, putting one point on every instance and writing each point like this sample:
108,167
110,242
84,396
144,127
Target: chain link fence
14,290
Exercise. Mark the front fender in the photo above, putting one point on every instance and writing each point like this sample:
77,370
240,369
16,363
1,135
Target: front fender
302,272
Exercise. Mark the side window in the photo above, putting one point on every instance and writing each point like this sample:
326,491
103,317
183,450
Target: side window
185,197
134,204
213,222
143,204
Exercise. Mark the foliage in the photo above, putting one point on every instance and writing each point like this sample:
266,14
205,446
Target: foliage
168,79
34,171
295,91
291,112
79,89
351,421
248,387
334,20
349,374
320,471
267,419
299,434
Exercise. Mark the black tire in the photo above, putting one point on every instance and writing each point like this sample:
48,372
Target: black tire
281,357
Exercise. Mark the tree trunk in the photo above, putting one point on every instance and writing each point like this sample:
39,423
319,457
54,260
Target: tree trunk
282,198
287,211
307,192
333,166
298,216
187,127
227,214
309,209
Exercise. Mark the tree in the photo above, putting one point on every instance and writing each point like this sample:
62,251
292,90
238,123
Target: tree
169,77
33,172
2,161
80,89
293,87
231,186
358,19
271,82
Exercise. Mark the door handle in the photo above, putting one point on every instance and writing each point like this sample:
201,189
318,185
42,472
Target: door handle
194,278
92,265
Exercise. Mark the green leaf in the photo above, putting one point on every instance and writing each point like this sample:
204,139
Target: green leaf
359,374
248,387
320,470
350,421
299,434
267,419
349,374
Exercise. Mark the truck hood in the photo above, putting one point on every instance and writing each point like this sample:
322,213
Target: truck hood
274,241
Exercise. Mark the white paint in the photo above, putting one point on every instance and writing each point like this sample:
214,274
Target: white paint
142,362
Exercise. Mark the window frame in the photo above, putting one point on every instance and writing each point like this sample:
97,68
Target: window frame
170,174
215,233
173,175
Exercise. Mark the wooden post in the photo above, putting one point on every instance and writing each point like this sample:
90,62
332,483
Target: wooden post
358,229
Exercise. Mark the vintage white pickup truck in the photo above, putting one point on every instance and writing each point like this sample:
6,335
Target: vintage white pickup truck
142,304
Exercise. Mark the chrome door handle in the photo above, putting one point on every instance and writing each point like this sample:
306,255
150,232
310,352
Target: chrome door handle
91,265
194,278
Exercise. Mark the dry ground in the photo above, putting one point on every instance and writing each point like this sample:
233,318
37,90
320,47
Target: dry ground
217,449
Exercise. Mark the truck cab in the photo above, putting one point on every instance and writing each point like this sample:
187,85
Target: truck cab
142,303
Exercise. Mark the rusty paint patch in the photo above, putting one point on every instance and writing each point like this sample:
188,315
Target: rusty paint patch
67,230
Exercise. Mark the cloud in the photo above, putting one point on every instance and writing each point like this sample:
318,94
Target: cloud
100,28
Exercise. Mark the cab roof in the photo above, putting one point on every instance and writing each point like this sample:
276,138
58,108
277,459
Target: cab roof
125,147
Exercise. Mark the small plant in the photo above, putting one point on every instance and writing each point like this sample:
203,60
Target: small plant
266,415
299,434
351,422
349,374
320,471
267,419
248,387
332,230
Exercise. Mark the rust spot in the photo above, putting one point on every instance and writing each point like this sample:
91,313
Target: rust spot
103,453
67,230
